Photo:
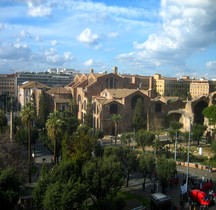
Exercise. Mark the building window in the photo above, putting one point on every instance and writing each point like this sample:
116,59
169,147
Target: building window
111,83
113,109
158,108
84,105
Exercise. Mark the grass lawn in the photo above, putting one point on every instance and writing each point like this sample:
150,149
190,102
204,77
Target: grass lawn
127,196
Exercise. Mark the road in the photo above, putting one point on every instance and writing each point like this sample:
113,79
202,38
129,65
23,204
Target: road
136,180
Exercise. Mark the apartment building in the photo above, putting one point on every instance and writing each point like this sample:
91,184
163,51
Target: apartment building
8,85
49,79
168,86
30,90
202,87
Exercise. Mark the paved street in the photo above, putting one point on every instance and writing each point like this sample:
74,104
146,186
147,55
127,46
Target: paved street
41,155
136,180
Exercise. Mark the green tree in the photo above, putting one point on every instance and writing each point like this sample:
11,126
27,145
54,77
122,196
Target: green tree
27,116
166,169
210,114
139,117
43,108
115,119
144,138
147,166
54,127
126,156
80,145
73,107
52,197
213,147
197,132
157,142
9,188
126,138
61,187
71,122
3,120
104,178
88,117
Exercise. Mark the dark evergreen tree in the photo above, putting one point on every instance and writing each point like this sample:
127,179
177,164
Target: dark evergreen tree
139,117
88,117
43,108
9,188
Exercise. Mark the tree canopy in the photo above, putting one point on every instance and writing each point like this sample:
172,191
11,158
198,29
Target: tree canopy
139,117
144,138
166,169
54,127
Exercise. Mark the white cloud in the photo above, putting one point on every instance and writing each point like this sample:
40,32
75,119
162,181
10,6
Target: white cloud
88,38
54,42
112,34
36,10
187,27
15,52
211,65
52,57
25,34
68,56
89,63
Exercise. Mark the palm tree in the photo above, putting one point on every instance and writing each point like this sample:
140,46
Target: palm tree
27,115
116,118
54,127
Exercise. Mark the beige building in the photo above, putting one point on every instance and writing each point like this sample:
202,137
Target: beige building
59,99
168,86
202,87
8,85
29,91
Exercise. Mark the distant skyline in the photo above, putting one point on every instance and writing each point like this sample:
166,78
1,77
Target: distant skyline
170,37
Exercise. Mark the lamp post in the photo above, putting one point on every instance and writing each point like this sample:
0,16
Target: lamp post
176,144
188,152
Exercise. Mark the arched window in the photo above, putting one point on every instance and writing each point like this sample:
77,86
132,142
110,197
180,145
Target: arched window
158,107
110,83
84,105
134,100
113,109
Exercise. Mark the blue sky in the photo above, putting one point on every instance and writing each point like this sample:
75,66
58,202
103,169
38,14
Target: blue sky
170,37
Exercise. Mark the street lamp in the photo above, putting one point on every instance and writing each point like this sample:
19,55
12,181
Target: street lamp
176,144
188,155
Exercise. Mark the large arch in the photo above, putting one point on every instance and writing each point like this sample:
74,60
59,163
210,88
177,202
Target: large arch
134,100
197,110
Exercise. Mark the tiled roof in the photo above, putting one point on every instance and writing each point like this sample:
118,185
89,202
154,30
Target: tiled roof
33,84
105,101
121,93
58,90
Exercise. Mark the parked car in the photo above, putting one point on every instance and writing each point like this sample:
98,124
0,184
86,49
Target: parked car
160,201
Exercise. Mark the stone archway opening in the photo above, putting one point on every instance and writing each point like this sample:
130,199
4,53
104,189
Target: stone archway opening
174,117
198,108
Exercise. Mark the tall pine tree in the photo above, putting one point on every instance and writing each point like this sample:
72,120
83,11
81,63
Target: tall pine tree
139,117
43,108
